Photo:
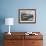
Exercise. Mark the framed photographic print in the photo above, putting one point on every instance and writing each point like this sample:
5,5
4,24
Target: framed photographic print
27,15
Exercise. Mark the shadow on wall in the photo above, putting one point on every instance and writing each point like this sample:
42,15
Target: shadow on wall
2,21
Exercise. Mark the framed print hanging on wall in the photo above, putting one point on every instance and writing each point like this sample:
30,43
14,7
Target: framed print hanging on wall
27,15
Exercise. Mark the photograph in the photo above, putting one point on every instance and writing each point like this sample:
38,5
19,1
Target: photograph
27,15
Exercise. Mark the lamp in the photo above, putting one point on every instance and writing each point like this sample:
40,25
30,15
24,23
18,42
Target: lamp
9,21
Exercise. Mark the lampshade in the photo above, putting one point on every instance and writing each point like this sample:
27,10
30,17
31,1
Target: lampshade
9,21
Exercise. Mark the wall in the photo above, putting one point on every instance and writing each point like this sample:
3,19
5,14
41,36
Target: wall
9,8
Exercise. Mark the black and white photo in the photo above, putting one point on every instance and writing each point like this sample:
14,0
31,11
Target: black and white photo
27,15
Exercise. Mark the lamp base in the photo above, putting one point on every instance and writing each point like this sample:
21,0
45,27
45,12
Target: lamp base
9,33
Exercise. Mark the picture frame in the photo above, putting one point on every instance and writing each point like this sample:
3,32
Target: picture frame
27,15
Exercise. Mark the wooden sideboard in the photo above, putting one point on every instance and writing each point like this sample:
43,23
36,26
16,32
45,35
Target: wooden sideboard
20,39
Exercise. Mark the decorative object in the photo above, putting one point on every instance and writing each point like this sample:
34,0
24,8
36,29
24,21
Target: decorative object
9,21
27,15
30,33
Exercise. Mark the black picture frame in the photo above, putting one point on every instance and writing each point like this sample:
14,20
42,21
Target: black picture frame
27,16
